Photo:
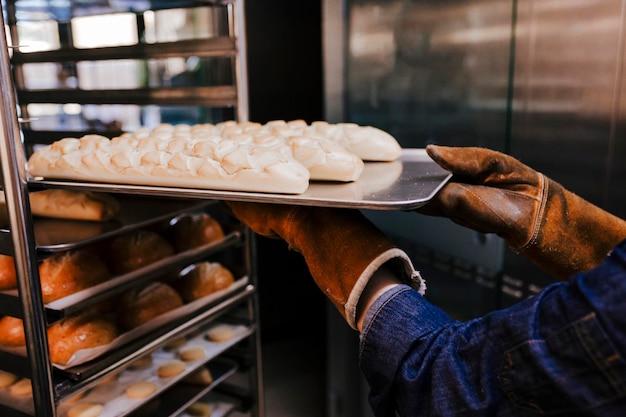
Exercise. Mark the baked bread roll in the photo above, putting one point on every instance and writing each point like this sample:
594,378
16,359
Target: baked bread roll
12,332
142,304
77,332
203,279
65,337
8,279
70,272
195,230
76,205
135,250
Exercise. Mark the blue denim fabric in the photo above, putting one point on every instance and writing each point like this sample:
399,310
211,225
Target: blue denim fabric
561,352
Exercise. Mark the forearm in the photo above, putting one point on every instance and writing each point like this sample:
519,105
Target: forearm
382,280
418,361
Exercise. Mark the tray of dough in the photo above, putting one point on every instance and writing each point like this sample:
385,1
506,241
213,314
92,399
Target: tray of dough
403,184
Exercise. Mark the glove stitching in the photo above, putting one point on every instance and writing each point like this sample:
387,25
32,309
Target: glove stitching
532,239
485,202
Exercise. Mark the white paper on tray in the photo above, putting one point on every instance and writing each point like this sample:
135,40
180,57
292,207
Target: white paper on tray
86,355
218,409
112,394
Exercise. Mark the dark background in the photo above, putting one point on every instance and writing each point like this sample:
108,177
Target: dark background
285,83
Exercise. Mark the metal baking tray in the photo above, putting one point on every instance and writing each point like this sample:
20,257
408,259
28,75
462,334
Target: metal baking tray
404,184
58,235
72,303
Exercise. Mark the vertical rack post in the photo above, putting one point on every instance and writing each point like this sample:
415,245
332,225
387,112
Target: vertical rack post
237,28
256,373
23,241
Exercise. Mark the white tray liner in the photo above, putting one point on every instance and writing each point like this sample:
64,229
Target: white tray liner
112,394
86,355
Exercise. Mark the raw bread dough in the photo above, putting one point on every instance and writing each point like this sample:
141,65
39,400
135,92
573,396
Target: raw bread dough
85,410
277,157
191,353
141,389
171,368
220,333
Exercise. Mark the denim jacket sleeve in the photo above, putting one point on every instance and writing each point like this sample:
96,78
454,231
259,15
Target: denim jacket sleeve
560,352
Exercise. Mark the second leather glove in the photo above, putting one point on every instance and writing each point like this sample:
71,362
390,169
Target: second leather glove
341,248
492,192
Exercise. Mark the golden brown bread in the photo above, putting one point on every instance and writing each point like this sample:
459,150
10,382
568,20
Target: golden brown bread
195,230
206,278
65,337
76,205
136,249
70,272
7,272
11,332
80,331
142,304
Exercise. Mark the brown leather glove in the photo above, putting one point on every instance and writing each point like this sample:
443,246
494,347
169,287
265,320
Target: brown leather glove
491,192
341,247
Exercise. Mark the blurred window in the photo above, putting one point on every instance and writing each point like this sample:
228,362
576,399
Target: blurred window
118,29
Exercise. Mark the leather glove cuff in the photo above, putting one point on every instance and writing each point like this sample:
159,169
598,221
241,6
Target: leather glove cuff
398,262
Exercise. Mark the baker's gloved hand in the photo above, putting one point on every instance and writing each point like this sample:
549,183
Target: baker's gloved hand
491,192
341,247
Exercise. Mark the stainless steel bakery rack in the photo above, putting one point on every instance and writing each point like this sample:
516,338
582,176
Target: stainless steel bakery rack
217,91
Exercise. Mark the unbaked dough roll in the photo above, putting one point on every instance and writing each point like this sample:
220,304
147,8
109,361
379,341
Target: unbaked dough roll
368,142
212,165
325,159
227,156
372,144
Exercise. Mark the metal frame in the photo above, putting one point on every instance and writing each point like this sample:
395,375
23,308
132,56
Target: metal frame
23,247
26,266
